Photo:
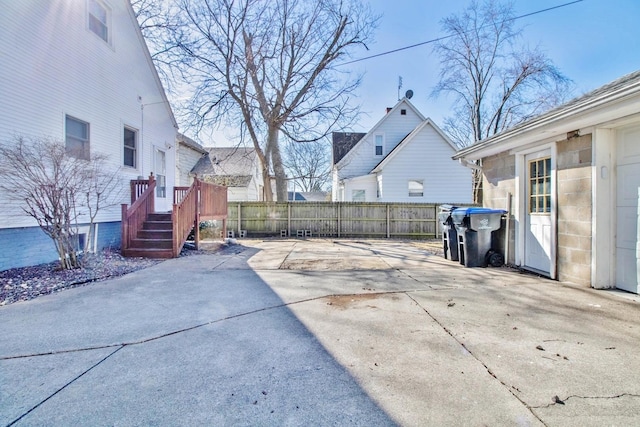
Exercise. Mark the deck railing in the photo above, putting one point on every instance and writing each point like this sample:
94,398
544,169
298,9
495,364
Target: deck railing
202,201
142,204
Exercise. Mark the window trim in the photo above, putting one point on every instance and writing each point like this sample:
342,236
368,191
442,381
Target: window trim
364,195
375,144
415,193
86,143
106,24
126,128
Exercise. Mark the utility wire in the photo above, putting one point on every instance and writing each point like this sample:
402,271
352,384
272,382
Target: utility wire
452,35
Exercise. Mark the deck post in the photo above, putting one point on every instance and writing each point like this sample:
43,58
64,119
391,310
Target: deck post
196,224
124,228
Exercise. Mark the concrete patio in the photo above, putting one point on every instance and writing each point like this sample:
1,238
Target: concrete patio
322,332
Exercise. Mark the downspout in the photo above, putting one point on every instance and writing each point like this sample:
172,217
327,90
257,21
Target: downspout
475,168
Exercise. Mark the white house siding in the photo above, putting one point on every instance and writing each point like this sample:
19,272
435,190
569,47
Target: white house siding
427,157
53,65
238,194
367,183
394,126
187,158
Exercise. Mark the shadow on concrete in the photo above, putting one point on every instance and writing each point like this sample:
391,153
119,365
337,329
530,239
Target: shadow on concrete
200,340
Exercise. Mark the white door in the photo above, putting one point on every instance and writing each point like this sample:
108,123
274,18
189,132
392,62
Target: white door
537,239
627,211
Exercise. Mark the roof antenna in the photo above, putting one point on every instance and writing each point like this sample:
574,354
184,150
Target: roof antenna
399,86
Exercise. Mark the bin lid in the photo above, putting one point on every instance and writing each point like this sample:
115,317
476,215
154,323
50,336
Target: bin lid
474,211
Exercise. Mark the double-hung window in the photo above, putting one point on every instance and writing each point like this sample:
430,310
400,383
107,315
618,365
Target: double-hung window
379,141
77,138
130,143
99,19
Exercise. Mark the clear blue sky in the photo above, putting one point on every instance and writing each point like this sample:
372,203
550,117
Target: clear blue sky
592,42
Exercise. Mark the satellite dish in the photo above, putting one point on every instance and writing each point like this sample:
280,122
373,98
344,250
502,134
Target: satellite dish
409,94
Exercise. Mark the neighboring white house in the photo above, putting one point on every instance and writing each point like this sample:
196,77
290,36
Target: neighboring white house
80,72
405,157
188,153
236,168
574,174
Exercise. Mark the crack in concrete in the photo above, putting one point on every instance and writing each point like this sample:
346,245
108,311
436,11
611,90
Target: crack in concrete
558,401
65,386
486,367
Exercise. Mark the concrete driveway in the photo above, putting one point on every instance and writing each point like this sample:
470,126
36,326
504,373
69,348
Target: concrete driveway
321,332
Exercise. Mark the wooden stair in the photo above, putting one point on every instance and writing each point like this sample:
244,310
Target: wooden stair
155,239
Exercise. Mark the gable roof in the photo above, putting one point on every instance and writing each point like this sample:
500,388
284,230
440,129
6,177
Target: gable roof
389,113
188,142
228,166
408,138
617,91
343,142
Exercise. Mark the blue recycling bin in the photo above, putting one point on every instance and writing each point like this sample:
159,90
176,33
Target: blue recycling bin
475,227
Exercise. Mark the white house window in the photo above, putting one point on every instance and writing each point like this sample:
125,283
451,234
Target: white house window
77,137
379,140
99,19
379,187
130,142
416,188
161,174
358,195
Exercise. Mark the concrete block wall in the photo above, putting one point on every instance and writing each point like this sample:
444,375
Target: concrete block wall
498,182
574,203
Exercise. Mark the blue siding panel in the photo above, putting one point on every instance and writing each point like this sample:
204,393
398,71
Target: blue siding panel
26,246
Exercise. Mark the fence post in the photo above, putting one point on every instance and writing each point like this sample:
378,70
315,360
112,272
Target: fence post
435,216
388,220
239,220
339,205
289,218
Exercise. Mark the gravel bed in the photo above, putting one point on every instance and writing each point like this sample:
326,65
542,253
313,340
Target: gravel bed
26,283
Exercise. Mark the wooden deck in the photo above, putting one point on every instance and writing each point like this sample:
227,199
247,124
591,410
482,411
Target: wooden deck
150,234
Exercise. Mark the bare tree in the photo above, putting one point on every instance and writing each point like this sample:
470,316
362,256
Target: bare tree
56,189
268,68
308,164
496,81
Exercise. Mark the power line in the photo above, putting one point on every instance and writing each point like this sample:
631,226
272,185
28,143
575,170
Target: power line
452,35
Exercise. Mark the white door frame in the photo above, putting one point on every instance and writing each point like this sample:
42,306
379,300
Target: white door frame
521,204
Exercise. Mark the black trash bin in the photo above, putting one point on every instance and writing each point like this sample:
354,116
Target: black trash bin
449,233
474,227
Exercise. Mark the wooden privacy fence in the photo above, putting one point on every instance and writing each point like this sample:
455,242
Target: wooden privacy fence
334,219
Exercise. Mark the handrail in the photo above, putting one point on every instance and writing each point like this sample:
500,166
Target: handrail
191,204
133,217
185,217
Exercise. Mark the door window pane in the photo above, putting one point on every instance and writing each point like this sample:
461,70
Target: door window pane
540,186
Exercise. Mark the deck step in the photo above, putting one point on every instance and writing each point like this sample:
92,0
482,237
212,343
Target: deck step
148,253
157,225
160,217
152,243
155,234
